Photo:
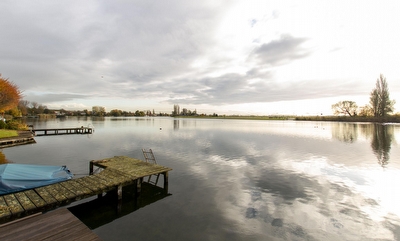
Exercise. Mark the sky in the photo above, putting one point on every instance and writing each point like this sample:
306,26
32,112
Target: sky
242,57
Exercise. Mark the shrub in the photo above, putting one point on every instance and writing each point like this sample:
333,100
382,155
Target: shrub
3,125
15,125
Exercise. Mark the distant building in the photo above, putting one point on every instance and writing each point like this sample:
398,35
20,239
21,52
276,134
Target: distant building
176,110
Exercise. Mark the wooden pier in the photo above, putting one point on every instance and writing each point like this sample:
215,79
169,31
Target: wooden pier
60,224
62,131
116,173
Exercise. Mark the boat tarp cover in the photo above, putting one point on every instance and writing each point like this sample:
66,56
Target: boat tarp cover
18,177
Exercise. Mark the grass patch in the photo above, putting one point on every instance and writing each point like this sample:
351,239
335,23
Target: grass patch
8,133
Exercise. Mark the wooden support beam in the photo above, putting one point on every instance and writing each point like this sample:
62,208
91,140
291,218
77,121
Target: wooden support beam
165,174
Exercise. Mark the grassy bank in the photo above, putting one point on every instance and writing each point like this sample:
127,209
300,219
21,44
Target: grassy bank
8,133
239,117
388,119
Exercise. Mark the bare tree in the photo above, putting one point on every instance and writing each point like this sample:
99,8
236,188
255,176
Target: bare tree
345,107
23,106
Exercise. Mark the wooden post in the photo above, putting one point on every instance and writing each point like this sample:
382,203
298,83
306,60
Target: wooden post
91,167
119,192
138,186
165,182
119,196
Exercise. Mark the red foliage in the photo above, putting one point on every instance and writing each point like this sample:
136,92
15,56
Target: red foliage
10,95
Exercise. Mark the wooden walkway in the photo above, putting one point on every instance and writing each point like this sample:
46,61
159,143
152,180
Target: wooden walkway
55,225
117,172
62,131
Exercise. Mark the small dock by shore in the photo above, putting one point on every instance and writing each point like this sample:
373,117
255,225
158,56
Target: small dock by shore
24,137
115,173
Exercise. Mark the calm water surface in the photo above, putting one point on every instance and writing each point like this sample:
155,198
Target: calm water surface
242,180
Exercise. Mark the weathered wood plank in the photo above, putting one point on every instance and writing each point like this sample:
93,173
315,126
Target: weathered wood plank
35,198
46,196
79,190
114,177
92,183
4,209
12,202
61,199
25,202
64,191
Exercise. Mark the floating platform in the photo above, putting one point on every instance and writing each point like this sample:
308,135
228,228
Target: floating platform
116,173
62,131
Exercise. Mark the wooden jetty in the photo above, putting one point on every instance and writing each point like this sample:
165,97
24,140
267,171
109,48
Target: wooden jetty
62,131
116,173
16,141
60,224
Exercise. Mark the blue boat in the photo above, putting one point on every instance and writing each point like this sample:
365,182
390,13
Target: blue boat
19,177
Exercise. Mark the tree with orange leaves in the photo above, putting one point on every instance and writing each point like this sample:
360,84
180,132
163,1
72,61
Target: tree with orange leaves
10,95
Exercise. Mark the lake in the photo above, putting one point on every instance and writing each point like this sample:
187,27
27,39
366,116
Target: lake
239,179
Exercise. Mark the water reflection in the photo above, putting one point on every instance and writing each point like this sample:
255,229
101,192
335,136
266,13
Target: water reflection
381,142
346,132
245,180
176,124
3,159
101,211
381,137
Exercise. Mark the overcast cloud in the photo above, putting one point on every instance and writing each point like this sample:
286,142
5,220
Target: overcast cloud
213,55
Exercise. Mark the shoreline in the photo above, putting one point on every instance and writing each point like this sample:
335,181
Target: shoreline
23,138
388,119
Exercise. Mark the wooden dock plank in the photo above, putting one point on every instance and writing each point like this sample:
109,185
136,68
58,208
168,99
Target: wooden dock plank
4,209
13,204
60,197
78,190
115,178
25,202
35,198
56,225
46,196
93,183
64,191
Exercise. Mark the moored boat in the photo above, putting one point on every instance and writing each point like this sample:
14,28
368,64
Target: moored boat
18,177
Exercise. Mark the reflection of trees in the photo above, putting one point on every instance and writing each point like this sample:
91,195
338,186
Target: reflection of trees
3,158
382,137
346,132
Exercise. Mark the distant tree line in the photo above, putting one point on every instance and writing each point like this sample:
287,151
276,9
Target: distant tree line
380,104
